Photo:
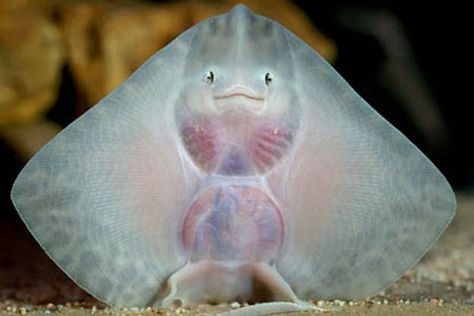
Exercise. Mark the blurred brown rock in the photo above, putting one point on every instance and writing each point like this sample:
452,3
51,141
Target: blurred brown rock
25,140
31,56
107,42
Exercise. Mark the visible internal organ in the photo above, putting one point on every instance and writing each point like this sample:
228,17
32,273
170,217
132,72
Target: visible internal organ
268,144
200,139
235,145
234,162
233,223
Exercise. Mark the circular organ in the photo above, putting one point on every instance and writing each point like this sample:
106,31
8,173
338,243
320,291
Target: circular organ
233,223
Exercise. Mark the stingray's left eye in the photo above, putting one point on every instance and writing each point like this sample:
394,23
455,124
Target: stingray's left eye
268,78
210,77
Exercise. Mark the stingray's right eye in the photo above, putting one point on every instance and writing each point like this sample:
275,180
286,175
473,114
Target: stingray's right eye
210,77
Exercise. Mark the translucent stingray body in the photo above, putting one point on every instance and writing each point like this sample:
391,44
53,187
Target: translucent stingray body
235,164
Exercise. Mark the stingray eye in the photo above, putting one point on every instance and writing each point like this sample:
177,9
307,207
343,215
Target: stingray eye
268,78
210,77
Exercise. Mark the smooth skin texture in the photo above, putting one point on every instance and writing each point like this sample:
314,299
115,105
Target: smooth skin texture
234,160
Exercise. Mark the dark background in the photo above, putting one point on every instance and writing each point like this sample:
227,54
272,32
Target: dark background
437,45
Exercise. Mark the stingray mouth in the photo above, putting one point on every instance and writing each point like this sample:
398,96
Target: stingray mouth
238,92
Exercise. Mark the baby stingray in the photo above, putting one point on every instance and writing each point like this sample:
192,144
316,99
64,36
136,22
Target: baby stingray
234,165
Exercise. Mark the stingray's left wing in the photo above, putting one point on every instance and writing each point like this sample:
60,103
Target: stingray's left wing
105,197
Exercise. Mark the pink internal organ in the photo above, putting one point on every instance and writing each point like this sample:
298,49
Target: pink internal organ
269,144
233,223
261,149
199,138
